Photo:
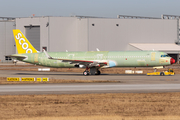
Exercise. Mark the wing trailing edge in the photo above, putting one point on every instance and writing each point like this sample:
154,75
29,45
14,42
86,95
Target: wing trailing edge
80,62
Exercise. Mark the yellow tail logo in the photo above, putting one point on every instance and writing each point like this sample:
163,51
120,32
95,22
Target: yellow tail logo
22,44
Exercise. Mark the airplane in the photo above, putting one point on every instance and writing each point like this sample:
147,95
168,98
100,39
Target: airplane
93,60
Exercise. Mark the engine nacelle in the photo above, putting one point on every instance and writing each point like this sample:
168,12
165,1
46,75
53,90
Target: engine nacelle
80,66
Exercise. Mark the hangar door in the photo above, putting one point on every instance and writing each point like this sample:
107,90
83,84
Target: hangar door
32,33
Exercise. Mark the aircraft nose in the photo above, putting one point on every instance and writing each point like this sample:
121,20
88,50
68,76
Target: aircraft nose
172,61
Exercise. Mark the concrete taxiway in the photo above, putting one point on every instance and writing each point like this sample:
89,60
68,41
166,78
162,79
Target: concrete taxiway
127,83
78,76
86,88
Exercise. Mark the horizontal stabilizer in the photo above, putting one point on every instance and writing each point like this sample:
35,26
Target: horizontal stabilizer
17,56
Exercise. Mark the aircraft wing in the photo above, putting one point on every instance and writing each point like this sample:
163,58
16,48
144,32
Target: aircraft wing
82,62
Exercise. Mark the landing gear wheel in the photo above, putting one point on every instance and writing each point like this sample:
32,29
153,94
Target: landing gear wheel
86,73
98,72
161,74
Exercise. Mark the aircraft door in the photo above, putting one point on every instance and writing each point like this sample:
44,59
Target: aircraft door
71,56
153,56
36,58
101,55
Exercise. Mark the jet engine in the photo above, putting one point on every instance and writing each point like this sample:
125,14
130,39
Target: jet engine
80,66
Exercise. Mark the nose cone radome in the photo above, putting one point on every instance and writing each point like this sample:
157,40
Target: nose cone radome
172,61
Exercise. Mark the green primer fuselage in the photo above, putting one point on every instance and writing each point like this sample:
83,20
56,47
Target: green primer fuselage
113,58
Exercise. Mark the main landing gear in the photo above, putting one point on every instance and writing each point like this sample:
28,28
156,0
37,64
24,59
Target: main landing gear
93,71
98,72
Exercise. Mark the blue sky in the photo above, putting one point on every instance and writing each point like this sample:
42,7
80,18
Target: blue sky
100,8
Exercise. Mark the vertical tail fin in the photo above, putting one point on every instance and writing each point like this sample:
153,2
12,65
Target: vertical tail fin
22,44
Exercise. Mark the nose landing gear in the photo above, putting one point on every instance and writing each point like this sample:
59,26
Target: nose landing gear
98,72
86,72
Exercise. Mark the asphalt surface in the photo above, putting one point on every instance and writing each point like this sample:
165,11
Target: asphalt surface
127,84
79,76
86,88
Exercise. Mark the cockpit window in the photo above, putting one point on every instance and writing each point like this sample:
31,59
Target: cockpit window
165,56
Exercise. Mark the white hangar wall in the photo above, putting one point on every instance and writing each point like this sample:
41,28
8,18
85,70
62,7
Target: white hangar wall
58,33
67,33
116,34
7,43
87,34
22,23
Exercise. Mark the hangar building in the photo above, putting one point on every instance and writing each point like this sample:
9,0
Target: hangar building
6,38
83,33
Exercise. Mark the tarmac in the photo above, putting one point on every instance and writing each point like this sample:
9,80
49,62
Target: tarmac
86,88
125,78
128,83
